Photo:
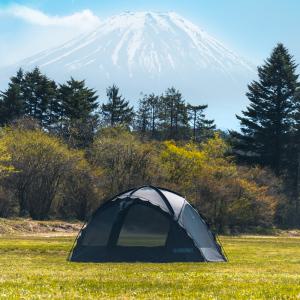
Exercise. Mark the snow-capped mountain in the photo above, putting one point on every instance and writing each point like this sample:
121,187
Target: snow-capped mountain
149,52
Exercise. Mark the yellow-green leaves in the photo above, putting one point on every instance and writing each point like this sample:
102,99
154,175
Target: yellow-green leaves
224,193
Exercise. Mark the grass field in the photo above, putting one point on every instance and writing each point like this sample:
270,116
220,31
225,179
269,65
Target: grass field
259,268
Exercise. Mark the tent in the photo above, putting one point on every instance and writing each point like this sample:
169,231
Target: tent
146,224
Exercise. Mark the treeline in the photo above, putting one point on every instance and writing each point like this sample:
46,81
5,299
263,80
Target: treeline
62,150
72,110
42,177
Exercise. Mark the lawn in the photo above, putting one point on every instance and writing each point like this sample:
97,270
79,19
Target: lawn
259,268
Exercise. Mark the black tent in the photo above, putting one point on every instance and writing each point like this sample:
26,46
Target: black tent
146,224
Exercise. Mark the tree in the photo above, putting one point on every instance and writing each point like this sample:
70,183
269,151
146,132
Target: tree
78,112
147,116
126,161
142,116
202,127
40,97
12,100
173,114
30,95
40,162
212,181
153,102
117,110
292,166
79,191
267,121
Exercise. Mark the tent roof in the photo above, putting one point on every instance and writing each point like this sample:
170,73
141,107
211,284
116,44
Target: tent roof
167,200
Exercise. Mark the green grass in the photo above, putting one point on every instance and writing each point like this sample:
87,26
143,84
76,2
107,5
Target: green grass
259,268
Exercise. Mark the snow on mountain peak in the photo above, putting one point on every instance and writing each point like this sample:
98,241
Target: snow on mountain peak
148,51
144,40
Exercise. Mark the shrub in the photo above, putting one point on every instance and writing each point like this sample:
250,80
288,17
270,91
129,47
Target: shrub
40,161
226,195
8,203
80,192
126,161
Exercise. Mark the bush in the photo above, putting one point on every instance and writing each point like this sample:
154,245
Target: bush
8,203
40,161
80,192
225,194
126,161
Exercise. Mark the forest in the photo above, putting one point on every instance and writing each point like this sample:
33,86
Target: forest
63,151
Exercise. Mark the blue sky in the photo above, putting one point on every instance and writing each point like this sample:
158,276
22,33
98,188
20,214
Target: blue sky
250,27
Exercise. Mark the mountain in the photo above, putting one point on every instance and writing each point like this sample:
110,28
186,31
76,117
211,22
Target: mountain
149,52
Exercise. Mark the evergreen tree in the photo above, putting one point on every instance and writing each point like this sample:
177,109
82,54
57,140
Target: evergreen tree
267,121
40,94
117,110
142,118
147,115
173,114
202,127
153,103
292,166
78,112
12,100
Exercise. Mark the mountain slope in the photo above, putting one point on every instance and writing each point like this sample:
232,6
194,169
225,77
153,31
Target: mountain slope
149,52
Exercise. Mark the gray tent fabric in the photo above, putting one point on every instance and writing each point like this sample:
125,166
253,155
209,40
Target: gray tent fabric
197,229
147,224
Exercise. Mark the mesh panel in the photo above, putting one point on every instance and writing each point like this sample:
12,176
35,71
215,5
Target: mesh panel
145,227
98,231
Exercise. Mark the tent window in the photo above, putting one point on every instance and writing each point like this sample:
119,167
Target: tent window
98,231
144,226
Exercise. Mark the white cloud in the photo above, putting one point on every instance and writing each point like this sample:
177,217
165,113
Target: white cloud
45,31
83,21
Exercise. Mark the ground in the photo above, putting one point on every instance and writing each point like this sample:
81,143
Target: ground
35,267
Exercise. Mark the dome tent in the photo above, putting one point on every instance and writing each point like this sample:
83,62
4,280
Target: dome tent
146,224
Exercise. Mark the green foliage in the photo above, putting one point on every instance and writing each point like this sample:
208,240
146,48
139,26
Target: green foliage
116,111
11,101
39,96
202,127
78,113
169,117
258,268
126,161
267,121
147,116
80,192
270,127
40,161
211,180
173,115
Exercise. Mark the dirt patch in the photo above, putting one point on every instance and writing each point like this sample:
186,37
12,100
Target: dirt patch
290,233
30,227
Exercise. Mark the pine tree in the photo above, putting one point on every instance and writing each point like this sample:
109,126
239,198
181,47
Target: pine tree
267,121
12,100
292,166
202,127
173,114
117,110
78,112
147,115
39,94
153,103
142,118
